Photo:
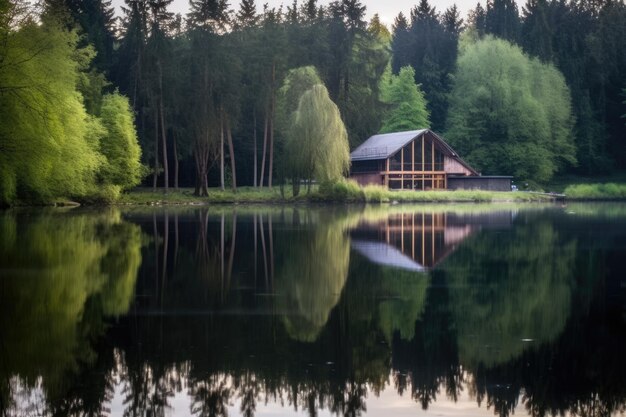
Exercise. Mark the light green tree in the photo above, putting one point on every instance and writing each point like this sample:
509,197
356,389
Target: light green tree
406,101
318,139
315,141
510,114
45,147
119,144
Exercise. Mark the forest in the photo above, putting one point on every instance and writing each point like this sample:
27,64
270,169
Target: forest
93,103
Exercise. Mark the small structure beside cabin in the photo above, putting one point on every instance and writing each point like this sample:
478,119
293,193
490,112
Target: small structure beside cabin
417,160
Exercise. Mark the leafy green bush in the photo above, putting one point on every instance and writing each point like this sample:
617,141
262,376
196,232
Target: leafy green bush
609,191
342,190
376,194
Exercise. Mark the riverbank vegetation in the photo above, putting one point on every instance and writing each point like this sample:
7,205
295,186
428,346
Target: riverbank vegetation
91,105
608,191
339,192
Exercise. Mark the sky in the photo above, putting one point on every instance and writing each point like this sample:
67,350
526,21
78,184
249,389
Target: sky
387,9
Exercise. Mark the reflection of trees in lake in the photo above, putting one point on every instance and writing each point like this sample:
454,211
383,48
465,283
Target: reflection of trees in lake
311,273
60,273
207,323
510,292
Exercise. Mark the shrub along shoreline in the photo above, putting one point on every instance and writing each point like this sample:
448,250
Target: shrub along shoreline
351,193
343,192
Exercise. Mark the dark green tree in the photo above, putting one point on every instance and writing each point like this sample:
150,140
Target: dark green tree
502,19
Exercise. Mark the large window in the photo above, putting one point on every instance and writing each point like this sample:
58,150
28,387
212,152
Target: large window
367,166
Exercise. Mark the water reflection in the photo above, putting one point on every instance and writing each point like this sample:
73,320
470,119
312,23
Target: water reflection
223,312
61,274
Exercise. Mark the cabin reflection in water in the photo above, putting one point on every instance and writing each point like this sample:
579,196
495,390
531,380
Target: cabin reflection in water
419,241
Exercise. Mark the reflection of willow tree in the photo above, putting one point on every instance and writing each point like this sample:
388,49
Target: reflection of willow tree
61,272
311,273
505,288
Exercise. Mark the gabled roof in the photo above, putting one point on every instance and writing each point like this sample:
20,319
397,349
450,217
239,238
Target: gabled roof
385,145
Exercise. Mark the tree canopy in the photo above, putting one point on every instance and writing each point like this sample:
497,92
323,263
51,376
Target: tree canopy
510,113
407,105
204,88
316,140
51,146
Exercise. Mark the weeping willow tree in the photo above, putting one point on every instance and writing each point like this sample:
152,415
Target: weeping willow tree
318,141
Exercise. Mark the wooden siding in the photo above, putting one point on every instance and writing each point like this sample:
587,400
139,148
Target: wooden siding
368,178
480,183
452,166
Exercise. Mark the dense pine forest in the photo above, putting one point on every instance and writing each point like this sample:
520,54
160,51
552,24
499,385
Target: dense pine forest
92,104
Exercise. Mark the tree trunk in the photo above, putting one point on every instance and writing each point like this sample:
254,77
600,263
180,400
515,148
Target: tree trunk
164,145
156,149
272,108
163,130
264,148
196,190
175,163
222,150
255,152
231,152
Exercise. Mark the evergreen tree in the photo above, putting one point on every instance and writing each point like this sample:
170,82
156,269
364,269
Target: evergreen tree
407,105
401,43
537,29
431,51
502,19
451,20
247,14
477,18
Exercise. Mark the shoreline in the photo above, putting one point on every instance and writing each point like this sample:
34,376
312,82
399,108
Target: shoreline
265,196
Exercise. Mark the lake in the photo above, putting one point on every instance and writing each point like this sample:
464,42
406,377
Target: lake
314,311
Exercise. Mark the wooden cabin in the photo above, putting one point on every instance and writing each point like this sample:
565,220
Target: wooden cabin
417,160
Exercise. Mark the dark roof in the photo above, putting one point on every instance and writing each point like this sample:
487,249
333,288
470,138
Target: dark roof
385,145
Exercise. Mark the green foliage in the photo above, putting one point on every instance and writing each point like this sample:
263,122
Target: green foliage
608,191
407,103
509,113
119,144
47,146
297,82
428,43
315,138
342,190
52,147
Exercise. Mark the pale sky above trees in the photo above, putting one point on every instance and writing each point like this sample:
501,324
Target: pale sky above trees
387,9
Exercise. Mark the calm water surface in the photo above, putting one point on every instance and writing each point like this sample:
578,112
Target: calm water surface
403,310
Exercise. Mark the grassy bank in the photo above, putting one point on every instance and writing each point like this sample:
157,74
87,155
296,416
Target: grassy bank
609,191
343,192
